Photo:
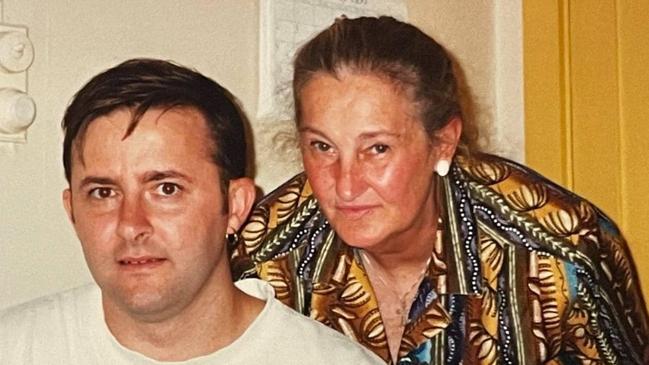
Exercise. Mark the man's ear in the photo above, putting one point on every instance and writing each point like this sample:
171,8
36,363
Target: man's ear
67,204
447,139
241,197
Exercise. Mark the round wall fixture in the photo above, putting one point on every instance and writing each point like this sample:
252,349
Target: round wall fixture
16,51
17,111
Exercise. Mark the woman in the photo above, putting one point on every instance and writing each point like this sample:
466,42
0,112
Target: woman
407,240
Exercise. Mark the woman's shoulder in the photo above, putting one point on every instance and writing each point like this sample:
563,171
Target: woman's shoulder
276,208
291,190
560,226
523,190
499,172
273,225
555,219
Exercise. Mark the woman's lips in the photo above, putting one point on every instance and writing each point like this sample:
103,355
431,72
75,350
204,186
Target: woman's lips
355,211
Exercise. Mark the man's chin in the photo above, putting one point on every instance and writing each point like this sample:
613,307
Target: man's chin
144,305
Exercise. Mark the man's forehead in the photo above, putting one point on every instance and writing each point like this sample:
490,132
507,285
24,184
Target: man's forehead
106,121
180,128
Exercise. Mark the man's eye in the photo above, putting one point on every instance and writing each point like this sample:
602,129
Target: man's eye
102,193
168,189
380,148
321,146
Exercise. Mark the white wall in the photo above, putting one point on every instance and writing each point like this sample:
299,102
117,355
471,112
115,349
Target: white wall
74,40
486,38
509,133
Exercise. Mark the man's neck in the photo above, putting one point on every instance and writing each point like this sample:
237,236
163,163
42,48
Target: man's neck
212,321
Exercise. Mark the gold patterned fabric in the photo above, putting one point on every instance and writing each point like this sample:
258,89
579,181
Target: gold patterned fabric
525,272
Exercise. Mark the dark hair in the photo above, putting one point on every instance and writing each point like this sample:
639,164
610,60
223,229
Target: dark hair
392,49
141,84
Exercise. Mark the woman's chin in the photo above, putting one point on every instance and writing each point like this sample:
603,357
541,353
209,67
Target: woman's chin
356,239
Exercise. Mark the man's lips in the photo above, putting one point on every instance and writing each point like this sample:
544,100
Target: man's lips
144,262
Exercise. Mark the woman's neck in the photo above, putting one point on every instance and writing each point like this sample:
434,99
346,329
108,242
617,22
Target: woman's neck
395,277
409,250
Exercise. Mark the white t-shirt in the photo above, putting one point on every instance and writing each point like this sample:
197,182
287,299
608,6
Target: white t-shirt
69,328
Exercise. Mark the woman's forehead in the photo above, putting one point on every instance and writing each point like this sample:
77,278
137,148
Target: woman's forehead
354,95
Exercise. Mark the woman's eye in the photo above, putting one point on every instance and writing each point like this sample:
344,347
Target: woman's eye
102,193
168,189
380,148
321,146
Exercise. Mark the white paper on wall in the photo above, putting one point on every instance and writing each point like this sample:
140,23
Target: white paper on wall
287,24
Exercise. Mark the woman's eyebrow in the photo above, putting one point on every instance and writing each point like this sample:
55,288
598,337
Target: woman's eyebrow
370,135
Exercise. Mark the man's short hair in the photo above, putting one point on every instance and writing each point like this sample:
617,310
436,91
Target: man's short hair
142,84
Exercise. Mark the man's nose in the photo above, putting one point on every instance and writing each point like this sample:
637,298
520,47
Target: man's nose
133,225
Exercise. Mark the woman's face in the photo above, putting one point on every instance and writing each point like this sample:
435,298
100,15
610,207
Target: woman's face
368,158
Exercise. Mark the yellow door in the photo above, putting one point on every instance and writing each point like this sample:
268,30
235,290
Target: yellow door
586,66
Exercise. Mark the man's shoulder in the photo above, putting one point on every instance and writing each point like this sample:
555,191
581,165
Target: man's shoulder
320,341
44,306
48,314
294,335
45,328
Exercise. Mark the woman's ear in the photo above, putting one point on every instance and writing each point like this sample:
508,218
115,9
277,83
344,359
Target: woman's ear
447,139
241,197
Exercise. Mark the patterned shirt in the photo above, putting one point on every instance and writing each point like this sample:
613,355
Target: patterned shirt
524,272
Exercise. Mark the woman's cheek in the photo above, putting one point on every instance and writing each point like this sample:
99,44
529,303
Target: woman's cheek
322,181
382,176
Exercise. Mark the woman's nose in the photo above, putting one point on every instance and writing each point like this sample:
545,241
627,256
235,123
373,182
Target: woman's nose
349,180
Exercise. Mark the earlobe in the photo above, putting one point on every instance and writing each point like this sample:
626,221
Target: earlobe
67,204
241,196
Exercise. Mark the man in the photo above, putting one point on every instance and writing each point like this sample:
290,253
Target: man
154,155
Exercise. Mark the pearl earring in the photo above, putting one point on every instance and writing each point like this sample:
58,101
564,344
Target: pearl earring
442,167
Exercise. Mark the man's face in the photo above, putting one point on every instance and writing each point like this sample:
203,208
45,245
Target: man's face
148,210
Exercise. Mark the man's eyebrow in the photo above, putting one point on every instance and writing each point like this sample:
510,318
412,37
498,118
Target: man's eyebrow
98,180
167,174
